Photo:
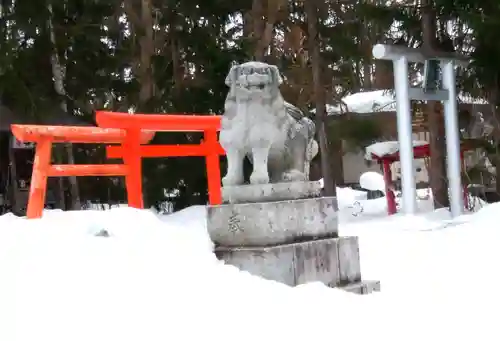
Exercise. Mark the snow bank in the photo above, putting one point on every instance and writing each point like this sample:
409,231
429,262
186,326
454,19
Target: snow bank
156,278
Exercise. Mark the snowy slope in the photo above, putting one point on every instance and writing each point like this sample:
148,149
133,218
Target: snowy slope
156,278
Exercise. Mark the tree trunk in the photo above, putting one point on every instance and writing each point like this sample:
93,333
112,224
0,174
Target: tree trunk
368,60
146,42
493,95
437,174
74,189
383,76
336,159
61,195
58,73
319,96
178,72
142,22
367,74
264,16
497,177
15,201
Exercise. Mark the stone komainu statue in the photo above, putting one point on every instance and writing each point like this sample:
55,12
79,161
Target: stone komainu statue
257,123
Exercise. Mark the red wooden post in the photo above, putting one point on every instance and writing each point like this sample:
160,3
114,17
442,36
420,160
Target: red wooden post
133,161
213,168
38,188
389,194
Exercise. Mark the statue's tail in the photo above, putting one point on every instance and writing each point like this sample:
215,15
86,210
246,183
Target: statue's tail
299,116
311,151
314,149
312,146
311,127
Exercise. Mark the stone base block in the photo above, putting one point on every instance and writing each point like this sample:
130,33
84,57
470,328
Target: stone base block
271,192
362,287
334,261
272,223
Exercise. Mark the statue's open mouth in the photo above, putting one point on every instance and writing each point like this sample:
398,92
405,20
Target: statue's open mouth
255,86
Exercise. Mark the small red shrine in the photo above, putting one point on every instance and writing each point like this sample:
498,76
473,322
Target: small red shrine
421,150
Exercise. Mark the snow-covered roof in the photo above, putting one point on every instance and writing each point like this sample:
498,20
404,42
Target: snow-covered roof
378,101
381,149
365,102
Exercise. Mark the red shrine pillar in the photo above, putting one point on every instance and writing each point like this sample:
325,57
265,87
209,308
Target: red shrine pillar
389,194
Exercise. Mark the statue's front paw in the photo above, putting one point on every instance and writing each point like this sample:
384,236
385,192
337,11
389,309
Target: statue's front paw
293,176
259,178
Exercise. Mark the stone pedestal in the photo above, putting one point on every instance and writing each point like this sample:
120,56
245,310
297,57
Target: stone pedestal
272,223
292,242
271,192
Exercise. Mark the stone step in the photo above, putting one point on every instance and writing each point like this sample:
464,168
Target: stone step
334,261
362,287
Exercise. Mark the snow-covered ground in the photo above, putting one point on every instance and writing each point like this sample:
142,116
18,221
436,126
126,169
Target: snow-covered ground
156,278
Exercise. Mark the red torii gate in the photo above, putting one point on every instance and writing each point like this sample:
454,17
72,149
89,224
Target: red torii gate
419,152
127,136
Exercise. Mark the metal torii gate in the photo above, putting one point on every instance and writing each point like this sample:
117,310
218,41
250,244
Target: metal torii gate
446,93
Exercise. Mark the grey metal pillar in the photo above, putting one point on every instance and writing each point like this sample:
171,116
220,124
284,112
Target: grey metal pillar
452,139
405,136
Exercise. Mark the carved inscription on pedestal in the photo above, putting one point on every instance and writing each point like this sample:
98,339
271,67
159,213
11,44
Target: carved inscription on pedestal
234,223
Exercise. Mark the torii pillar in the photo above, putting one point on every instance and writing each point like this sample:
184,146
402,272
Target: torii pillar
440,87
